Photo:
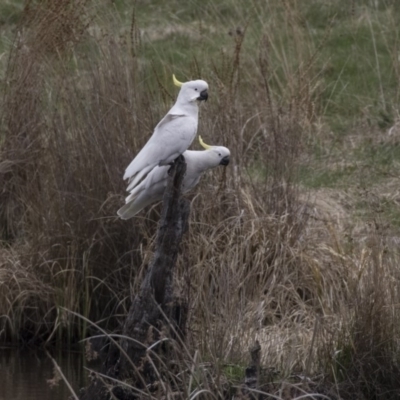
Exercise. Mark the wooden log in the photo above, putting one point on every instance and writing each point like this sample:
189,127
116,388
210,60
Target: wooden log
252,373
155,297
153,308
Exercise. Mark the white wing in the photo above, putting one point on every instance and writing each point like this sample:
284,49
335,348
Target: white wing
150,190
171,137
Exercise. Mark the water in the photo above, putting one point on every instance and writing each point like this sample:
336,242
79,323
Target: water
24,374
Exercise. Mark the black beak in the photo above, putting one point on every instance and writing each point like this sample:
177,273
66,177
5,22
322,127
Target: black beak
203,95
224,161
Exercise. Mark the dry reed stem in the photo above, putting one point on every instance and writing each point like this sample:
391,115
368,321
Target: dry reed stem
259,263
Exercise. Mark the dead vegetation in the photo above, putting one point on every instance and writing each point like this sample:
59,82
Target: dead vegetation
263,259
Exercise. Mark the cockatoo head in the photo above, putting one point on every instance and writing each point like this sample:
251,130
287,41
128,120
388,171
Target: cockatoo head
192,90
217,155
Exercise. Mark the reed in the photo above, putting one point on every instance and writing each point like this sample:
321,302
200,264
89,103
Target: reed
306,272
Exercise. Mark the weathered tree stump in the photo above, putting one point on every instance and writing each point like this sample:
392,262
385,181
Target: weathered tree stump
154,309
252,377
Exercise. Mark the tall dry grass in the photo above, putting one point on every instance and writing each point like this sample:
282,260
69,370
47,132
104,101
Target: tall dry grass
260,260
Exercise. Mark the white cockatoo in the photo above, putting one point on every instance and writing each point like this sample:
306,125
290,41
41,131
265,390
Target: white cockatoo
152,188
174,133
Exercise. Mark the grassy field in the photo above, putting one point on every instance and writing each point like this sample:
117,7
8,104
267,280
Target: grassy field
301,250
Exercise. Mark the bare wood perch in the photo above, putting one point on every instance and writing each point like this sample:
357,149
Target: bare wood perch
156,291
252,377
153,307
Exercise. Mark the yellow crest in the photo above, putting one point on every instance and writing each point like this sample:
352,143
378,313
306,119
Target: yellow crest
206,146
176,82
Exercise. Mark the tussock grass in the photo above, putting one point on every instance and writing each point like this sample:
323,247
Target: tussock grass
317,288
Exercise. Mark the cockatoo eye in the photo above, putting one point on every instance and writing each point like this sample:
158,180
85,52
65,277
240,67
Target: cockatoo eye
195,89
219,154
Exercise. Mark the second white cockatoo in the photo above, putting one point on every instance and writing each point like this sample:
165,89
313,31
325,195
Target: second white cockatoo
174,133
152,188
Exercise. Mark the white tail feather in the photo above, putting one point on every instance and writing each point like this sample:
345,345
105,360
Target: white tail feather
139,176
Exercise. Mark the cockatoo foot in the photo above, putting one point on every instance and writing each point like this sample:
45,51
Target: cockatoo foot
179,159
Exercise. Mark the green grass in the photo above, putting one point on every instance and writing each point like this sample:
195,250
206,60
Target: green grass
368,164
380,155
354,69
324,178
391,213
234,372
10,11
